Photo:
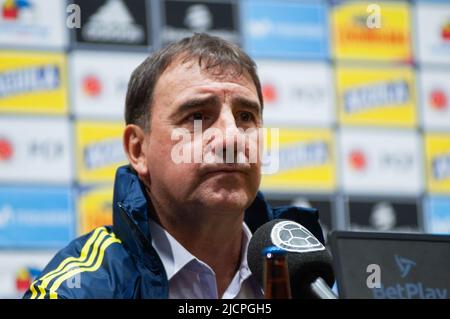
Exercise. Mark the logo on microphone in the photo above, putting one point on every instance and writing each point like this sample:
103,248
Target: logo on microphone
294,237
404,265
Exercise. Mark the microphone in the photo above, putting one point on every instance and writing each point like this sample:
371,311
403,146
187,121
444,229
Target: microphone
309,262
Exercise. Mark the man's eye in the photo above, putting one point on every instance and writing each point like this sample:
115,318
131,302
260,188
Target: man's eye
197,116
246,116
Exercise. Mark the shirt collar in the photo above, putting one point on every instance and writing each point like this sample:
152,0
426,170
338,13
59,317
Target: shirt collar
175,257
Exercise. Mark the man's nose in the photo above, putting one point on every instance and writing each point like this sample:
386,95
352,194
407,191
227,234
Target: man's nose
227,124
231,135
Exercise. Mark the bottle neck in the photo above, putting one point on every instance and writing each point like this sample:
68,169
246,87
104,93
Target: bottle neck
276,278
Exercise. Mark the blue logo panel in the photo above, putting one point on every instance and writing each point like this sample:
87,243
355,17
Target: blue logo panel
36,217
437,215
285,29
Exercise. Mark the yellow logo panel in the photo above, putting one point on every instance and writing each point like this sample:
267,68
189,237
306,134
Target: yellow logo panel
372,31
33,83
376,96
99,151
437,153
306,161
95,208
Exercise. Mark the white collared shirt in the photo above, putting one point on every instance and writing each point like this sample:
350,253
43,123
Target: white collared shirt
190,278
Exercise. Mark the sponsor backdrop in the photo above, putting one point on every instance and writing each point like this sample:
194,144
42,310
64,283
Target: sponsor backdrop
360,91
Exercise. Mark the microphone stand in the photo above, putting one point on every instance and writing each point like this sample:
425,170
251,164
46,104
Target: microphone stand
320,290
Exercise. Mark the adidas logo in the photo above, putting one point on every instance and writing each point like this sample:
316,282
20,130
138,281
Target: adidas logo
113,23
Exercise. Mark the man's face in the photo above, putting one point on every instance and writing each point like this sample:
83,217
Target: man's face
183,94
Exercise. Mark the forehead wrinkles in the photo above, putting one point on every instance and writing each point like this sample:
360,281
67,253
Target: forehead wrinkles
181,79
209,69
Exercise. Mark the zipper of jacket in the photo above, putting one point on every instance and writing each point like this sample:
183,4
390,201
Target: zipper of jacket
148,248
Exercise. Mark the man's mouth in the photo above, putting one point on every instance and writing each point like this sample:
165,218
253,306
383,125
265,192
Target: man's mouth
226,169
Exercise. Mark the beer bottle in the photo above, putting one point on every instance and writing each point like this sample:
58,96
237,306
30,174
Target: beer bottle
276,274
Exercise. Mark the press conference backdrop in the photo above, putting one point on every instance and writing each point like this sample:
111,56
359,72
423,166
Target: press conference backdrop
364,113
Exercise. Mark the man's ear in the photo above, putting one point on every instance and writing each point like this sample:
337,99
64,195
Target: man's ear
134,146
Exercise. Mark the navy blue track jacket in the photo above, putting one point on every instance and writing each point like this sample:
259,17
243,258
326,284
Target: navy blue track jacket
119,261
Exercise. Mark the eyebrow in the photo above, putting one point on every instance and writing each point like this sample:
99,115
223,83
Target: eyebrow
196,103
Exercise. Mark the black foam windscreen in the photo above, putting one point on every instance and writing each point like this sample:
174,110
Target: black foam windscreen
307,258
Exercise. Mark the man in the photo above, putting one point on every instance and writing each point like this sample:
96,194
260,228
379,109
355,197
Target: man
179,229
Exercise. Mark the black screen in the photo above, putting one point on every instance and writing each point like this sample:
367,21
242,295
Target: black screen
411,266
